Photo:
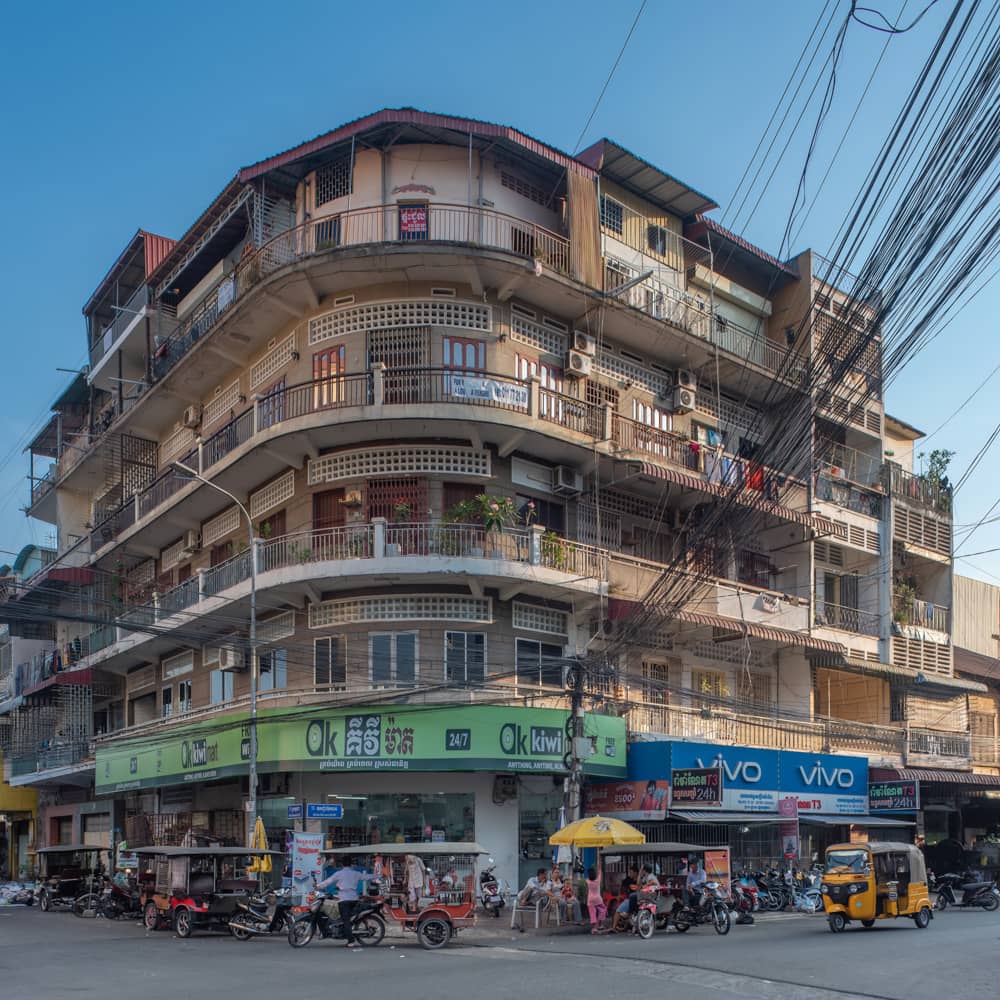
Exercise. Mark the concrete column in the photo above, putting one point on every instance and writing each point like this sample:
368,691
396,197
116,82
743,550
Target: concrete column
201,584
535,544
535,402
607,423
378,537
378,384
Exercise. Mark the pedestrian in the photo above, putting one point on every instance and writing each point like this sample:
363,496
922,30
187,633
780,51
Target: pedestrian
595,902
414,880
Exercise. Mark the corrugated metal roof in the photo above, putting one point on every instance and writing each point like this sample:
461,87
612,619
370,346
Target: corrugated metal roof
412,116
934,775
702,224
157,247
643,179
770,633
140,241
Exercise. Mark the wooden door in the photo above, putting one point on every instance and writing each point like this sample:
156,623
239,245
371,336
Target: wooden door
328,509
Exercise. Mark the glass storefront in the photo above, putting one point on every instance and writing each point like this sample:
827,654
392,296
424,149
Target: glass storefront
540,801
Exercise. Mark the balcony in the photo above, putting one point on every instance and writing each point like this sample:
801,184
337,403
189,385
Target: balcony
840,462
921,614
932,746
847,619
848,495
916,490
126,316
985,750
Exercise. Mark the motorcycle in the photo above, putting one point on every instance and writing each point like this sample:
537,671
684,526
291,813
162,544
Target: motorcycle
742,901
974,892
490,890
270,913
368,924
709,908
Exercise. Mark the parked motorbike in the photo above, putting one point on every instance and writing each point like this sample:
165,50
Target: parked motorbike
367,924
268,913
742,902
490,890
708,908
963,891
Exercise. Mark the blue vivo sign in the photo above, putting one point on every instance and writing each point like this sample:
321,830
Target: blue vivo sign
754,780
324,810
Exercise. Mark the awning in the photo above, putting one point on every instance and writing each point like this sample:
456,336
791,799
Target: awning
927,681
771,633
716,816
744,495
935,776
870,821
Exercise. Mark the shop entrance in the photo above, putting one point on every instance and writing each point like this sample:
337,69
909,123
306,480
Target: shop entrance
539,800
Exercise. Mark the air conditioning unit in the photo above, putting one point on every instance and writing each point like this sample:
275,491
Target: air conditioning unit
686,379
584,343
192,416
683,401
577,365
607,628
231,659
566,482
192,541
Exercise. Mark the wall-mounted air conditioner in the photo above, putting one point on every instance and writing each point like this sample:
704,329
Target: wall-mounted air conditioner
584,343
566,482
192,416
577,365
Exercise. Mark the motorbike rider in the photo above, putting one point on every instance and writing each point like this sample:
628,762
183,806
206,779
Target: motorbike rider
345,880
694,884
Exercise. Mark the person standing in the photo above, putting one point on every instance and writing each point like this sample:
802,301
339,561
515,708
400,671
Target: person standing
345,881
414,879
595,901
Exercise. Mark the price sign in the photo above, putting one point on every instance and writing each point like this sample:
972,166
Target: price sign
893,796
696,787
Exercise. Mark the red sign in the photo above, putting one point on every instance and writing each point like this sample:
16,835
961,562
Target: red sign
413,221
788,809
628,799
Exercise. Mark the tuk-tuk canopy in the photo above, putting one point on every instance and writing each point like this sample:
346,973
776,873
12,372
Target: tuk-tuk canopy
913,854
69,849
442,847
659,847
205,852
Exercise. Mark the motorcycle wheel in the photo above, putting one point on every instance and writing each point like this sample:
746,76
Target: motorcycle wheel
44,902
837,922
923,917
990,902
680,926
369,930
239,933
721,919
87,905
867,923
644,924
434,932
300,932
941,903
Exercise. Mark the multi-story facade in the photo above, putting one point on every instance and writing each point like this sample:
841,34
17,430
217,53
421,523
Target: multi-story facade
358,339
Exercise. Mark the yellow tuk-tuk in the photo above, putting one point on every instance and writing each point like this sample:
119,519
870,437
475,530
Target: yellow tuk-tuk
869,882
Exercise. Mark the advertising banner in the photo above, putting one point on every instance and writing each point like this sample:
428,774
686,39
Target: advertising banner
894,796
474,387
749,775
717,868
303,853
788,809
696,787
825,783
466,738
630,800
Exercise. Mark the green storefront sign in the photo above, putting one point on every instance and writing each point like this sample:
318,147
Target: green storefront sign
466,738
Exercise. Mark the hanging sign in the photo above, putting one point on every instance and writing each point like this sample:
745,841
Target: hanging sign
696,787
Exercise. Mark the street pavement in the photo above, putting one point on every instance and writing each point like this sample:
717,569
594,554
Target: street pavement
780,957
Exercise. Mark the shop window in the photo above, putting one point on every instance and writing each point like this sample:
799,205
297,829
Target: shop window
166,703
547,513
539,663
612,214
220,687
409,817
654,682
392,658
465,656
328,369
330,661
273,669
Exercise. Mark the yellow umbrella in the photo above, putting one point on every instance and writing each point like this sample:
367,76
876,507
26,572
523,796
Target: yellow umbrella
258,842
597,831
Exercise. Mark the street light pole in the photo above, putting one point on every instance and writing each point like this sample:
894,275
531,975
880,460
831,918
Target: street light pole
194,474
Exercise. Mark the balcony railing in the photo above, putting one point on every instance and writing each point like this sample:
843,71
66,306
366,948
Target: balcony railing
41,486
571,413
848,619
841,462
922,614
126,314
51,754
934,743
916,489
753,346
848,495
661,444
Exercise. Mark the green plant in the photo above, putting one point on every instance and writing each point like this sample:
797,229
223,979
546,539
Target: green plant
554,550
904,593
300,553
265,529
400,511
493,513
936,476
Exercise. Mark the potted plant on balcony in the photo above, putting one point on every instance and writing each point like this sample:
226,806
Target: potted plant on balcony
497,513
904,593
401,513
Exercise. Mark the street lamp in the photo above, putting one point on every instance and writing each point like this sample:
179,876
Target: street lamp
194,474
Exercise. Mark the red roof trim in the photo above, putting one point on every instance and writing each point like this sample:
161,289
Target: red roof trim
411,116
703,224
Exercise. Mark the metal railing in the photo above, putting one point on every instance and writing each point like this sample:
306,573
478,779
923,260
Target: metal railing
180,597
916,489
753,346
571,413
660,443
840,461
237,432
848,619
227,574
43,485
331,393
848,495
348,542
105,340
922,614
166,485
934,743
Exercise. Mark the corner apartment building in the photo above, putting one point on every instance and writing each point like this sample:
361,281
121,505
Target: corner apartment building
358,338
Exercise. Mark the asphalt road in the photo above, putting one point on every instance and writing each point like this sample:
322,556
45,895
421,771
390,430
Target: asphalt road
791,957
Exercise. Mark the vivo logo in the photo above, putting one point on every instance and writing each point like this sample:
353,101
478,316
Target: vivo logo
835,777
745,770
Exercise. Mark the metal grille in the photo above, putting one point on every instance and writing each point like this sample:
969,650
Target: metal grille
400,313
138,464
586,527
400,347
221,405
533,618
526,189
333,181
631,506
382,496
275,493
417,607
367,463
272,362
177,443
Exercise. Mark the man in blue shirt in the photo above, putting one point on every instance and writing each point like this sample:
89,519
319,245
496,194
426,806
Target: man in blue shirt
345,881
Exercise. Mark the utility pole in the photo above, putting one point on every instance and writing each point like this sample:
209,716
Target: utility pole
572,795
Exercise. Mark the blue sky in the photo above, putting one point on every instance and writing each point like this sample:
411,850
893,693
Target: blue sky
117,116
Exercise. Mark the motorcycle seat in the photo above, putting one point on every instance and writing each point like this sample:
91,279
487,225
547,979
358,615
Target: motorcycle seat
966,886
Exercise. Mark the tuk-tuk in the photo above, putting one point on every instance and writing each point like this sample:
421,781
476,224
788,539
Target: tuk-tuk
193,888
68,871
869,882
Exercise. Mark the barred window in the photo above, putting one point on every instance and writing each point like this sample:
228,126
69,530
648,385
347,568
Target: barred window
525,189
612,214
335,180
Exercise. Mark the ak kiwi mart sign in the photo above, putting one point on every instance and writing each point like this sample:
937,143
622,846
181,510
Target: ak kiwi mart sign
466,738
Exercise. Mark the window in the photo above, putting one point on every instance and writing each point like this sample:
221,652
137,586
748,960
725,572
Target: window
335,180
753,568
755,690
712,684
612,214
330,661
598,394
220,686
654,682
413,220
465,656
183,696
897,705
388,497
271,406
462,354
328,366
392,658
272,526
273,669
547,513
539,663
166,703
657,239
220,553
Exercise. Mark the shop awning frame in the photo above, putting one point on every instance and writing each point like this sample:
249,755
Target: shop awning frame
874,822
937,776
718,816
